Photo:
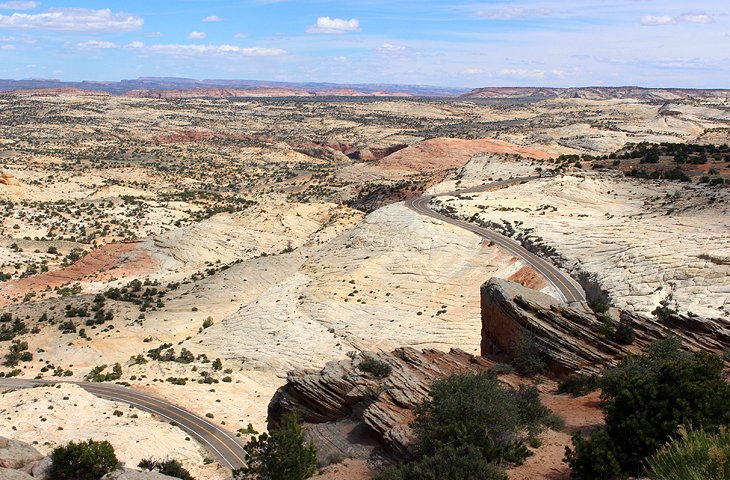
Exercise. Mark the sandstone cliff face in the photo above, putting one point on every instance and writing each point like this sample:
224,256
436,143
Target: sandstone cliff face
340,396
572,340
353,413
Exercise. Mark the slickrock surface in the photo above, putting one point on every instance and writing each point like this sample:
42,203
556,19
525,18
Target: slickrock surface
53,416
645,241
572,340
395,279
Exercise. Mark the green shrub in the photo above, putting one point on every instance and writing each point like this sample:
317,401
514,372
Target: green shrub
578,384
376,368
88,460
448,463
282,454
171,468
694,455
527,357
645,400
472,410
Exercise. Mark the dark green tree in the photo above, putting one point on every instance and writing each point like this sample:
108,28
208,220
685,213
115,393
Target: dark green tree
646,399
89,460
171,468
282,454
449,463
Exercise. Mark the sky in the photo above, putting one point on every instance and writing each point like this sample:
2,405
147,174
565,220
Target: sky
560,43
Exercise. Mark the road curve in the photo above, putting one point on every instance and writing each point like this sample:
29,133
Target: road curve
222,445
562,283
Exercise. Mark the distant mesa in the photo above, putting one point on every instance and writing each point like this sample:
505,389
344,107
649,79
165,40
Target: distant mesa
595,93
164,87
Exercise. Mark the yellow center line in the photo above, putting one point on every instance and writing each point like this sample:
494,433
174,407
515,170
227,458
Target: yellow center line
174,414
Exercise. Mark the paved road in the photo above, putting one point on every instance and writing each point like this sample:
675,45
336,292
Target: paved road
562,283
223,445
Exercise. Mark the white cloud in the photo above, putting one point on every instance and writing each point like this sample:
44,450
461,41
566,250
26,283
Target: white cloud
73,20
390,49
700,18
8,47
136,44
659,20
472,71
656,20
58,72
7,39
195,50
212,19
340,59
334,26
521,73
197,35
242,35
511,12
19,5
97,44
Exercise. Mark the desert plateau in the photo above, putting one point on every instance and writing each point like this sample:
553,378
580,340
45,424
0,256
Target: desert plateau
283,240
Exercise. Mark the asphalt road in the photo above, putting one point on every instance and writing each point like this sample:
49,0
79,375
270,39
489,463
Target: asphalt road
222,445
562,283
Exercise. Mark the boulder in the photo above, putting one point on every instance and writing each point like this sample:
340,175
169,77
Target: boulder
129,474
17,454
10,474
39,469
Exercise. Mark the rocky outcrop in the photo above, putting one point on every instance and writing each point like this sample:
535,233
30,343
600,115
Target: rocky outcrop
574,339
341,392
128,474
323,153
7,179
16,454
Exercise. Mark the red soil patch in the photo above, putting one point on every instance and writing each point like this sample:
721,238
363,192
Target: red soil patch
116,260
581,415
185,137
441,154
347,470
529,277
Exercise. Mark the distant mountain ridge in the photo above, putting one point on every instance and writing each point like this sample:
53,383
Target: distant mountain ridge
595,93
173,87
161,87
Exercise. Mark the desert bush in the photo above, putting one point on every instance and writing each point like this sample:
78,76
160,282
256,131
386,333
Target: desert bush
282,454
449,463
578,384
469,427
89,460
645,399
527,357
693,455
376,368
171,468
474,410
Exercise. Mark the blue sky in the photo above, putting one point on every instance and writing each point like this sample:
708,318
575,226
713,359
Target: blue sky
451,43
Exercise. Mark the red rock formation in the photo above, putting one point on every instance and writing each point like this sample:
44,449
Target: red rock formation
441,154
573,340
